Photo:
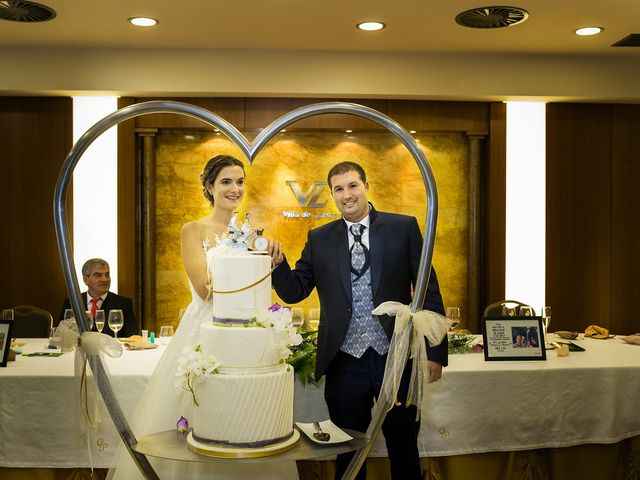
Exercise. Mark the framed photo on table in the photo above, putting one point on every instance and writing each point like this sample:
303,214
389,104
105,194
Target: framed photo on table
513,338
5,341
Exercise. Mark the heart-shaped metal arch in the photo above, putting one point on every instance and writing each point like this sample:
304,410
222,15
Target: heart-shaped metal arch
251,150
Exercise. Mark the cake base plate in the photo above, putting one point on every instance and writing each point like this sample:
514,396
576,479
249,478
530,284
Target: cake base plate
225,452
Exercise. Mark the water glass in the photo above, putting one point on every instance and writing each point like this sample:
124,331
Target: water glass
453,316
54,338
115,321
526,311
69,315
165,334
7,314
99,320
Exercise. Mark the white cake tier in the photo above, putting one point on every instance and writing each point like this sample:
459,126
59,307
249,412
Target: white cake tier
240,347
251,410
236,271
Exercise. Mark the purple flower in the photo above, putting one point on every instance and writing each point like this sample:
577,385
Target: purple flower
275,307
182,425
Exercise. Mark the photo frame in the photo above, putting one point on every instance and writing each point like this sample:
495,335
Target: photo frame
513,338
5,341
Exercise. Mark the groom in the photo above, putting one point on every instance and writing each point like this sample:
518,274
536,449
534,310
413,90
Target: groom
356,263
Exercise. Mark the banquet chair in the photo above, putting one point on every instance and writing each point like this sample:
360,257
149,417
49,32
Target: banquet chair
496,308
31,322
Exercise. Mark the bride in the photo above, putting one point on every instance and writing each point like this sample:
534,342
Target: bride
159,408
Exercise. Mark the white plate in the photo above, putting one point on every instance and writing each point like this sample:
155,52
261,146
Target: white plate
335,434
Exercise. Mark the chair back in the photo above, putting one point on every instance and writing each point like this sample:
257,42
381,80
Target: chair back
495,309
31,322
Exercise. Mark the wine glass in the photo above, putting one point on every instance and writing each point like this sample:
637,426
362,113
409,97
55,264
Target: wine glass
89,318
314,318
99,320
69,315
546,319
7,314
115,321
453,316
297,317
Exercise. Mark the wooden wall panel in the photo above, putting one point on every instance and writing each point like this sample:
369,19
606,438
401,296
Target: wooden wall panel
128,215
470,117
625,219
231,109
578,244
494,203
36,136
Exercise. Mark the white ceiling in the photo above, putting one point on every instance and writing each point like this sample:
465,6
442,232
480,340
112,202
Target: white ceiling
416,30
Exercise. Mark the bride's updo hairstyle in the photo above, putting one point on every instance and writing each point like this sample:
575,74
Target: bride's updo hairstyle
212,170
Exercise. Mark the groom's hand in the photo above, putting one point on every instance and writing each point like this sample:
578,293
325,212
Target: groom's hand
275,250
434,371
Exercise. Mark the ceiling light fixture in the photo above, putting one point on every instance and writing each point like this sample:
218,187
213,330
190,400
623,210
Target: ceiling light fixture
143,21
370,26
348,131
412,131
588,31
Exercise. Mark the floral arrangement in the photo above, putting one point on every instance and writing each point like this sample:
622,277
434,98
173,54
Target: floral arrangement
193,366
463,343
303,357
280,320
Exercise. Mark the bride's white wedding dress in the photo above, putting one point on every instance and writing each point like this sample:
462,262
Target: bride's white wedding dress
160,408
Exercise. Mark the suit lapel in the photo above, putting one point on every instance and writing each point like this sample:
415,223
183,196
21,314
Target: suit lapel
344,259
376,247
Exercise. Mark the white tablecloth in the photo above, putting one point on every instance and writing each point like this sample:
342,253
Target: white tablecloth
478,406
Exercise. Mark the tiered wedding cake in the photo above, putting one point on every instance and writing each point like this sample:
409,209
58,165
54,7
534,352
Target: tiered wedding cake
245,403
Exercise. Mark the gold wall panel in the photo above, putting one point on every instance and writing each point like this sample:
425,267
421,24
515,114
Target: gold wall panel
304,157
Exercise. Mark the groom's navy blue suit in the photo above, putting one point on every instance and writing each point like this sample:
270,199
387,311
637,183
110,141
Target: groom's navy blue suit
395,244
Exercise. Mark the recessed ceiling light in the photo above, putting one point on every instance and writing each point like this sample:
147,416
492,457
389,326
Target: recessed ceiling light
412,131
587,31
143,21
371,26
284,130
348,131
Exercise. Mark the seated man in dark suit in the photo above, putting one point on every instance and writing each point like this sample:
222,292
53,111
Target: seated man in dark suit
96,276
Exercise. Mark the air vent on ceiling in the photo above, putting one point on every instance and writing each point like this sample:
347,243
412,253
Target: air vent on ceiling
26,12
632,40
492,17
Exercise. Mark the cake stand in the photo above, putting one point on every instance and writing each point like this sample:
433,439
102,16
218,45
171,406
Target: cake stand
172,445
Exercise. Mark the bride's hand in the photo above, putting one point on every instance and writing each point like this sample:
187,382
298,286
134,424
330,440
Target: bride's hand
275,250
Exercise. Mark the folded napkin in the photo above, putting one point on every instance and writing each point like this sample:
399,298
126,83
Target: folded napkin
635,338
141,345
132,338
567,335
595,331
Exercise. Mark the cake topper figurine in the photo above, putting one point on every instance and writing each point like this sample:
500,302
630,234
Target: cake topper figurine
244,236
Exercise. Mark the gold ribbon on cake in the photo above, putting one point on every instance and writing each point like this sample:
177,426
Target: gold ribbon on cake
409,333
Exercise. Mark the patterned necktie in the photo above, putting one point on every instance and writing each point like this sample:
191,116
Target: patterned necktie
359,253
94,307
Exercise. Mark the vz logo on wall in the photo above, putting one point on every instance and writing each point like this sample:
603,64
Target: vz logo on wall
308,199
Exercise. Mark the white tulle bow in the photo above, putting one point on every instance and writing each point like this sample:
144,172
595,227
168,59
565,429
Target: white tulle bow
408,338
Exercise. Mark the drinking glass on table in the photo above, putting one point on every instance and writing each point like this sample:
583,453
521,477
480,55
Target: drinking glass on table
115,321
297,317
546,319
314,318
453,316
89,318
69,315
526,311
99,320
7,314
166,332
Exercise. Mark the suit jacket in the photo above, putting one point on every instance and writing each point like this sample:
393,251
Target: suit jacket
113,301
395,244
